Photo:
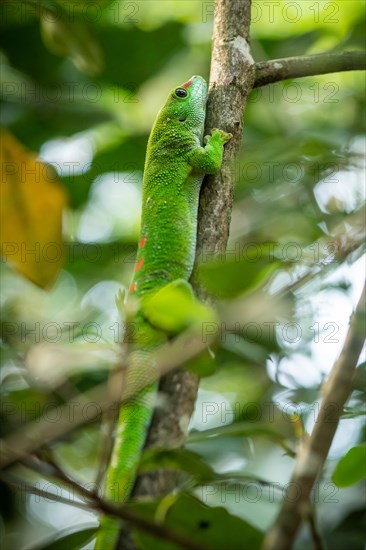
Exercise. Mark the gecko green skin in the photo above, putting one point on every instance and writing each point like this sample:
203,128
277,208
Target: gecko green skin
175,165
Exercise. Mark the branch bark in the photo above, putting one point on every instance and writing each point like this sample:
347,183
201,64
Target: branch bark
269,72
314,452
231,80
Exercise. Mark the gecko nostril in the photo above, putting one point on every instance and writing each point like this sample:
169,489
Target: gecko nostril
182,119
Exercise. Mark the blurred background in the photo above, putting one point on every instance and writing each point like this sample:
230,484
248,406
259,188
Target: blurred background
81,85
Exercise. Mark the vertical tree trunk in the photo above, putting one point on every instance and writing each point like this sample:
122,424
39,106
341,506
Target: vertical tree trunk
231,80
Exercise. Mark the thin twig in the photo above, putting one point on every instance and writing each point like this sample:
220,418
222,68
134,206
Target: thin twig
268,72
98,504
315,536
23,486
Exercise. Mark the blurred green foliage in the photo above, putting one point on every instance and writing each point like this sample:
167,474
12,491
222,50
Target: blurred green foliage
81,85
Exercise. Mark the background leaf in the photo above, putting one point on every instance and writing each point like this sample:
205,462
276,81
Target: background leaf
72,541
204,524
31,212
351,468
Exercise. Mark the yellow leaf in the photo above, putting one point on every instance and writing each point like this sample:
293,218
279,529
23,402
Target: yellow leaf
31,203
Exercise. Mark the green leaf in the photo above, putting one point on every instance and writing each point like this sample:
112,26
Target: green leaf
25,405
350,532
183,460
72,541
359,380
158,47
174,308
230,278
73,38
204,364
351,468
177,459
237,429
249,350
213,527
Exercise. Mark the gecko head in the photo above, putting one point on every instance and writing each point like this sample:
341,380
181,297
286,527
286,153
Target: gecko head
186,104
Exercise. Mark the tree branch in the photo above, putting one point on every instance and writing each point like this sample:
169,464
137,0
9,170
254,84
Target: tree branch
232,75
315,537
231,80
97,503
314,452
268,72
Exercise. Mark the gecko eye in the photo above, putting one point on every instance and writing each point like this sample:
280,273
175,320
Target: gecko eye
181,92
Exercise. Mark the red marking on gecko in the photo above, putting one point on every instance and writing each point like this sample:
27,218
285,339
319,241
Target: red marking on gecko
139,264
142,242
133,288
187,84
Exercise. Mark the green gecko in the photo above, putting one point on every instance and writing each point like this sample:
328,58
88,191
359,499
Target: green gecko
175,165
